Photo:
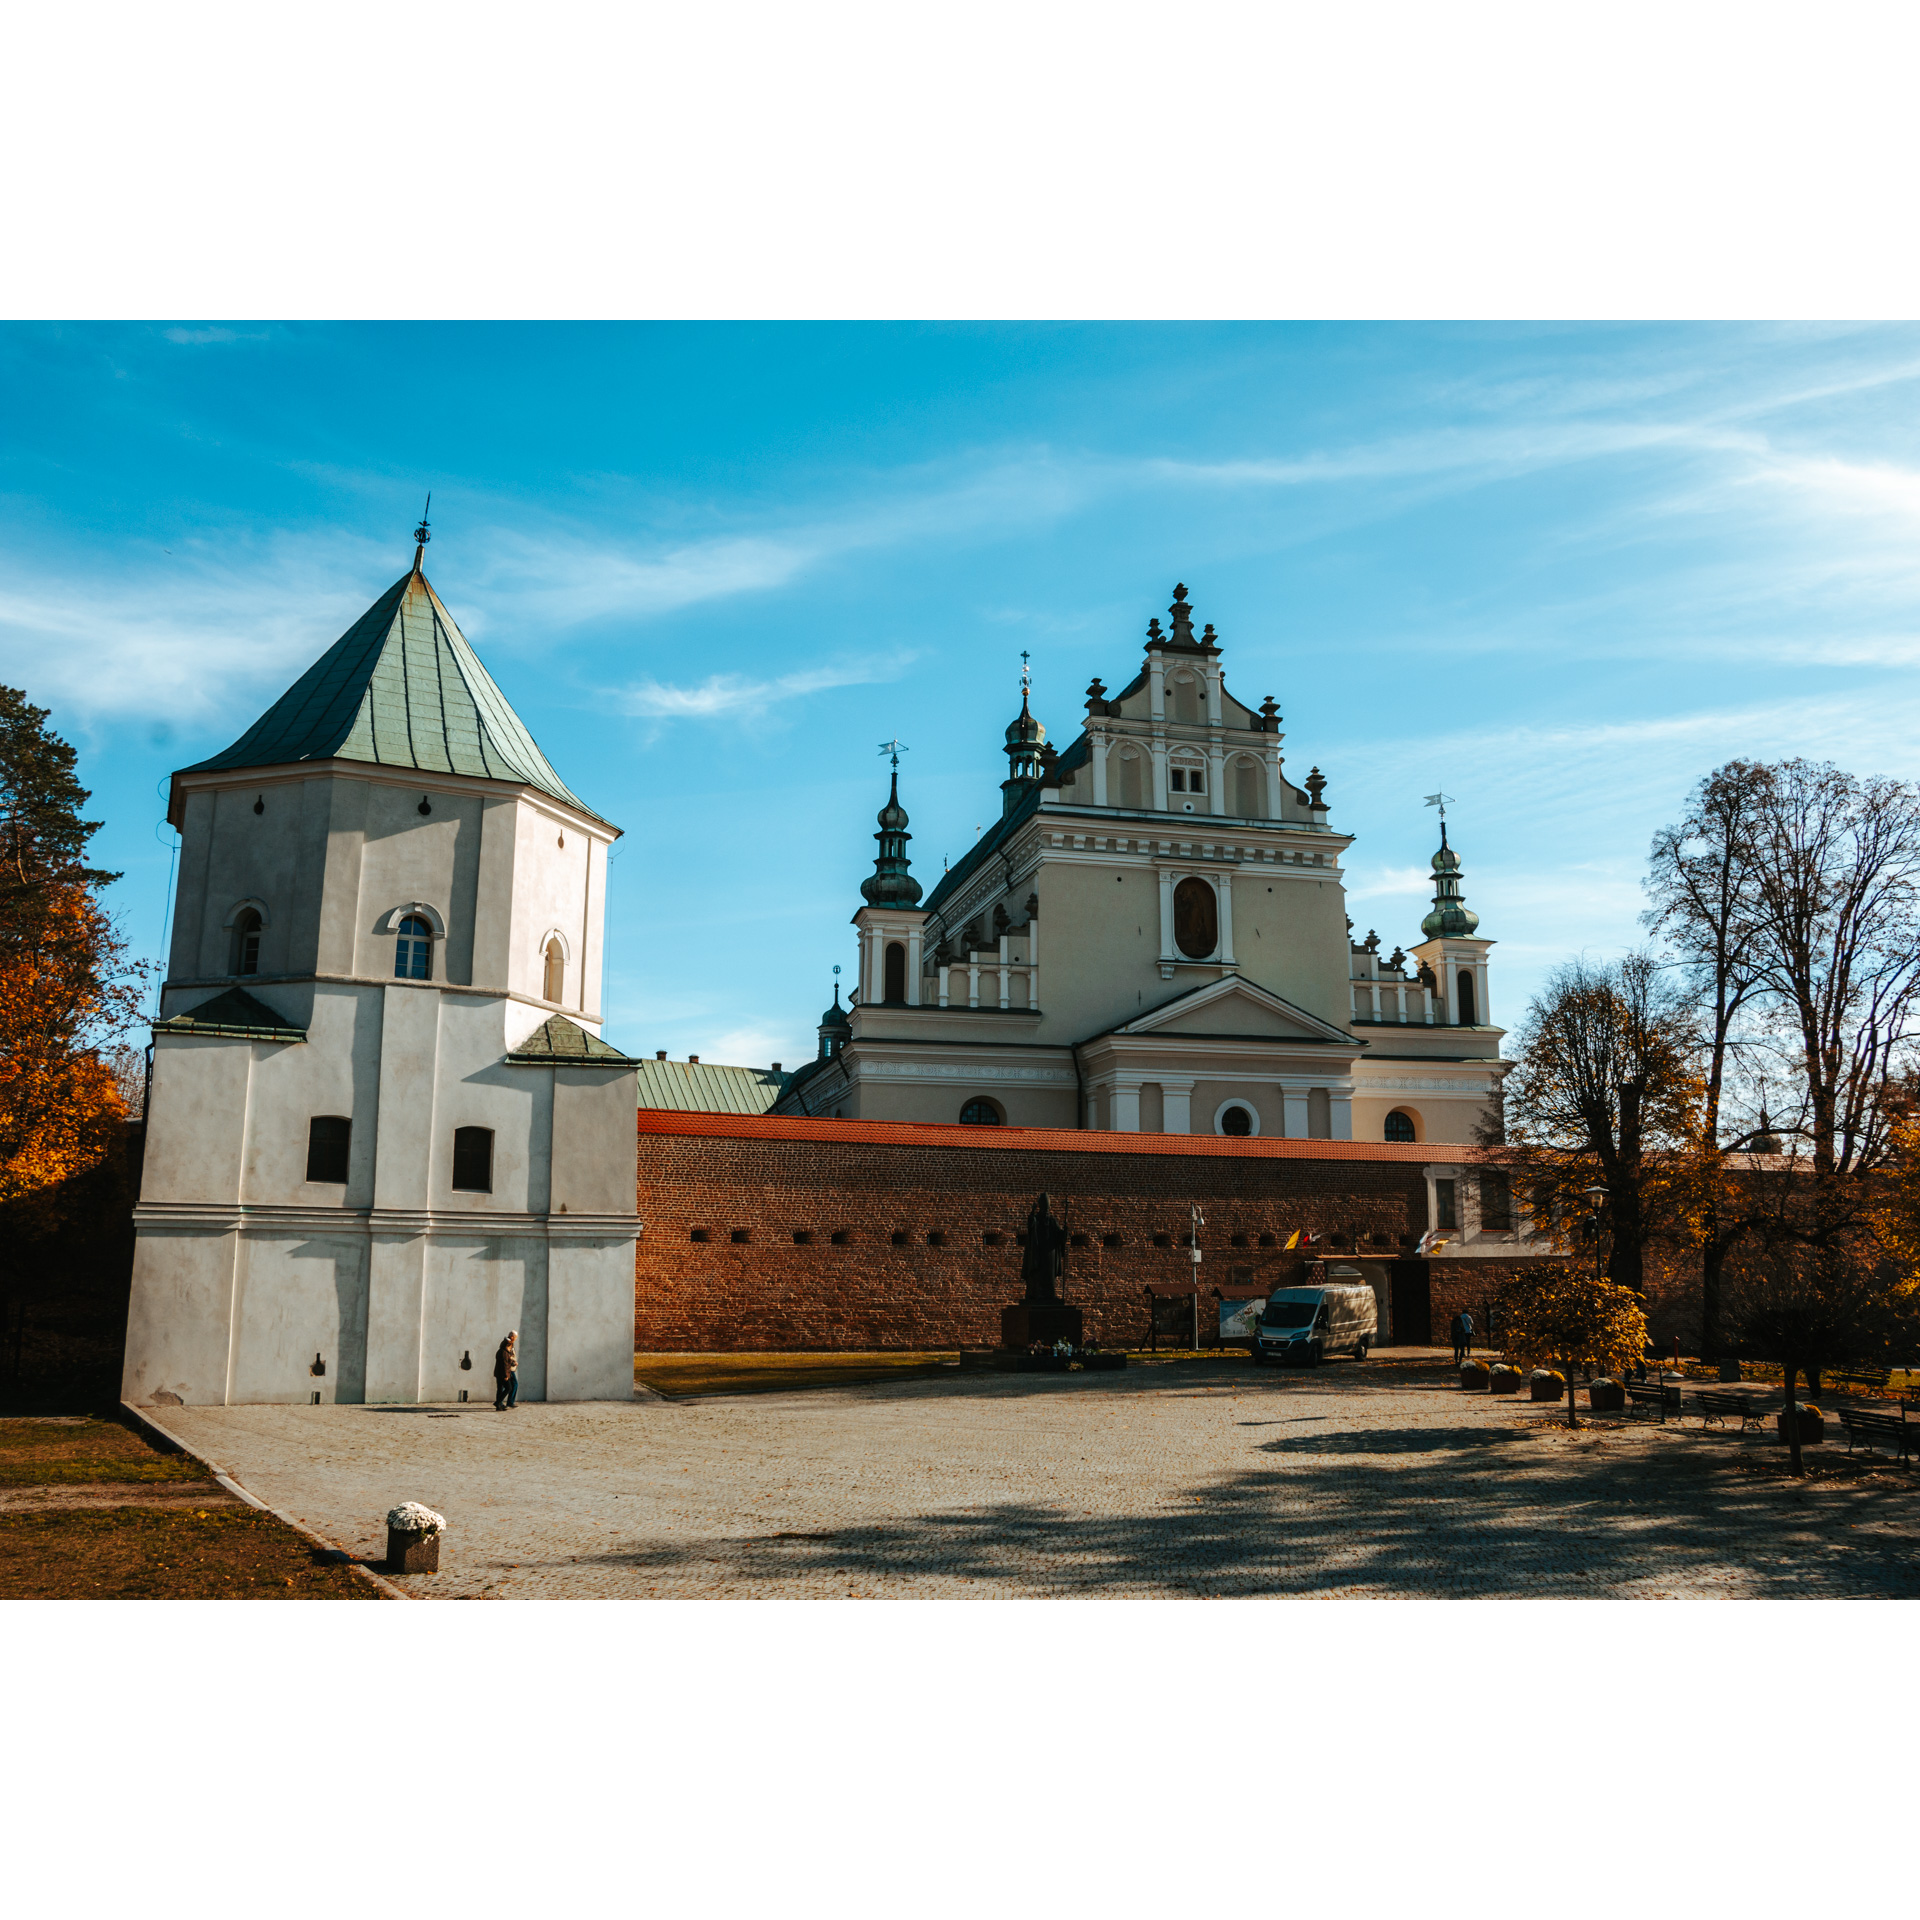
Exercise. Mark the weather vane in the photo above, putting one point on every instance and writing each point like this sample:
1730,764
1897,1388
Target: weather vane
894,747
421,535
1439,800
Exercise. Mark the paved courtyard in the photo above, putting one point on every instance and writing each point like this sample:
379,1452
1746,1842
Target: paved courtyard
1196,1480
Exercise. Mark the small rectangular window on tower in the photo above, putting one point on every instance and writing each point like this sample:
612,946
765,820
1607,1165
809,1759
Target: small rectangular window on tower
1443,1207
473,1159
329,1137
1178,778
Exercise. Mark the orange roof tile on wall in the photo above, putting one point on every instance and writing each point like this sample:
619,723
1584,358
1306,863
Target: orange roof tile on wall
923,1133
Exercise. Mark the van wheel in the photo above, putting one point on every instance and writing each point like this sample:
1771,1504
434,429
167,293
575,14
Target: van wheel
1259,1358
1313,1354
1360,1350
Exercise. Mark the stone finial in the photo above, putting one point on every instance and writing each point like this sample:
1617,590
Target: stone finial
1155,638
1371,942
1097,696
1270,714
1182,617
1207,640
1316,790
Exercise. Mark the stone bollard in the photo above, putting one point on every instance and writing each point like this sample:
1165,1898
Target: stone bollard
1545,1384
1606,1396
413,1538
1506,1379
1474,1376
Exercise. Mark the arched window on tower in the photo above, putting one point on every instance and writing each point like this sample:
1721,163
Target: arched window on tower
1196,918
554,986
246,941
896,983
1463,1003
413,951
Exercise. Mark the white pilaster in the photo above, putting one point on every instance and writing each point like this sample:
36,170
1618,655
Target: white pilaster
1176,1106
1212,676
1157,685
1159,754
1340,1112
1126,1107
1097,745
1216,776
913,967
1272,759
1166,916
1225,892
1294,1100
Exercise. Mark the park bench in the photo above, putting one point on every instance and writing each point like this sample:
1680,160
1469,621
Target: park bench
1719,1406
1654,1393
1876,1427
1873,1382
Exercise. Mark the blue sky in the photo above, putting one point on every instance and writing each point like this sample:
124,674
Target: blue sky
1561,571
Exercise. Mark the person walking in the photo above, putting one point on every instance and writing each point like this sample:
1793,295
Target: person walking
506,1373
1460,1337
1466,1334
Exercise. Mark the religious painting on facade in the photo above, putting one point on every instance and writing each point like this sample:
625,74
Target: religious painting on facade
1196,919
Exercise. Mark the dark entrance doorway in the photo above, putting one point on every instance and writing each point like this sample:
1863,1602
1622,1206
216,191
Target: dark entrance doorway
1412,1303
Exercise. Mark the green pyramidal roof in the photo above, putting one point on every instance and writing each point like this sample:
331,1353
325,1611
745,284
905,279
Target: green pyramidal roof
400,688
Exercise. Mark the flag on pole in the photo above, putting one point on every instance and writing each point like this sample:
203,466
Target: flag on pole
1431,1242
1293,1240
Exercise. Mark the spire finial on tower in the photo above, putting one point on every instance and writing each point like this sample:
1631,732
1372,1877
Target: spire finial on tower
422,533
1440,800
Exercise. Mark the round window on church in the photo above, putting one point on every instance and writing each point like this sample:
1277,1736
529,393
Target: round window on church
1237,1122
1400,1129
1196,919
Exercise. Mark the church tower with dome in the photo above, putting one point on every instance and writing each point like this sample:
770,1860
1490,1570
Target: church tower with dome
1198,972
384,1128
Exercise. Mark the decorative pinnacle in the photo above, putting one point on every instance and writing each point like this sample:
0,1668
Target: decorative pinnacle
421,533
894,747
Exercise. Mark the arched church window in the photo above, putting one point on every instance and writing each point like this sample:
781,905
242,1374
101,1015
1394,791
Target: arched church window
1247,786
1400,1129
413,951
246,941
1196,918
555,984
1464,1003
981,1113
896,969
473,1159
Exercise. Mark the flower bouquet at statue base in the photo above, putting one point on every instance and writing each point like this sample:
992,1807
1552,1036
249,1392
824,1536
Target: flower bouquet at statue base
413,1538
1813,1424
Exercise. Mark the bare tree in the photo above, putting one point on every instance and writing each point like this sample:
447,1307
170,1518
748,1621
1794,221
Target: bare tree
1835,875
1703,882
1601,1089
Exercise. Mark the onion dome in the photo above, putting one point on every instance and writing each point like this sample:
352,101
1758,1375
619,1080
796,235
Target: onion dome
835,1028
1451,917
890,884
1024,730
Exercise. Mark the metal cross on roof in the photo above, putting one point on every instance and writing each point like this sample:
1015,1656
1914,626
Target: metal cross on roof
1026,672
894,747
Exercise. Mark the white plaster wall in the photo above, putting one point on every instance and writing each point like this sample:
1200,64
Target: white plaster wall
590,1320
477,1288
595,1144
197,1120
178,1316
297,1297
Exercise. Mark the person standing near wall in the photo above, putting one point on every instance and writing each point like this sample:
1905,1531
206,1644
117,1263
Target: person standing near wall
506,1373
1462,1336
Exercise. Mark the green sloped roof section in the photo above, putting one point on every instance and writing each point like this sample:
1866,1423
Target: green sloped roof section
562,1044
707,1087
400,688
234,1015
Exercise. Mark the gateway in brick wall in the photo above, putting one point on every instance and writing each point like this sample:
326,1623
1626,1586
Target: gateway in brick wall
777,1231
1153,937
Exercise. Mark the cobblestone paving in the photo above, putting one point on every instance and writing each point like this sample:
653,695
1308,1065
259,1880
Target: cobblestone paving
1349,1481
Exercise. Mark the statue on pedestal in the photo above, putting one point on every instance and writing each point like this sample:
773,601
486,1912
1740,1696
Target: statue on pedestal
1041,1315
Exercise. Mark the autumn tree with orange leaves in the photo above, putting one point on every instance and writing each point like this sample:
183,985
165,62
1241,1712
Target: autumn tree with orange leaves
67,996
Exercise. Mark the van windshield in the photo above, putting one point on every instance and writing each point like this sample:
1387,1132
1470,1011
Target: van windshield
1288,1313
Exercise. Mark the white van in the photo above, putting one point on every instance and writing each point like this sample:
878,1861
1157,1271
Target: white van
1302,1325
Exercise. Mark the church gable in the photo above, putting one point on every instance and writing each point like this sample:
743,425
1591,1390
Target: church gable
1234,1007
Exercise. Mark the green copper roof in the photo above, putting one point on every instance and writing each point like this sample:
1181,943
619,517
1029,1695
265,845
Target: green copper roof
561,1044
233,1015
400,688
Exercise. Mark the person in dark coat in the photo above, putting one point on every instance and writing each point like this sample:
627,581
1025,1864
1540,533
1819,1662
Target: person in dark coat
506,1374
1462,1336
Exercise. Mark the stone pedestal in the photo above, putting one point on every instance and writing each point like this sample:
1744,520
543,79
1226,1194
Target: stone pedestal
1021,1326
412,1552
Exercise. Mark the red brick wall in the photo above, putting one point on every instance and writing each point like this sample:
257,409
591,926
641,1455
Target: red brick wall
770,1180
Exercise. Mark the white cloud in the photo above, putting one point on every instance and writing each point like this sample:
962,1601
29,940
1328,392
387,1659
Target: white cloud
732,693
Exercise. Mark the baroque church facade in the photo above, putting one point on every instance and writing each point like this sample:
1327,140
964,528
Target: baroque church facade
383,1127
1153,937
